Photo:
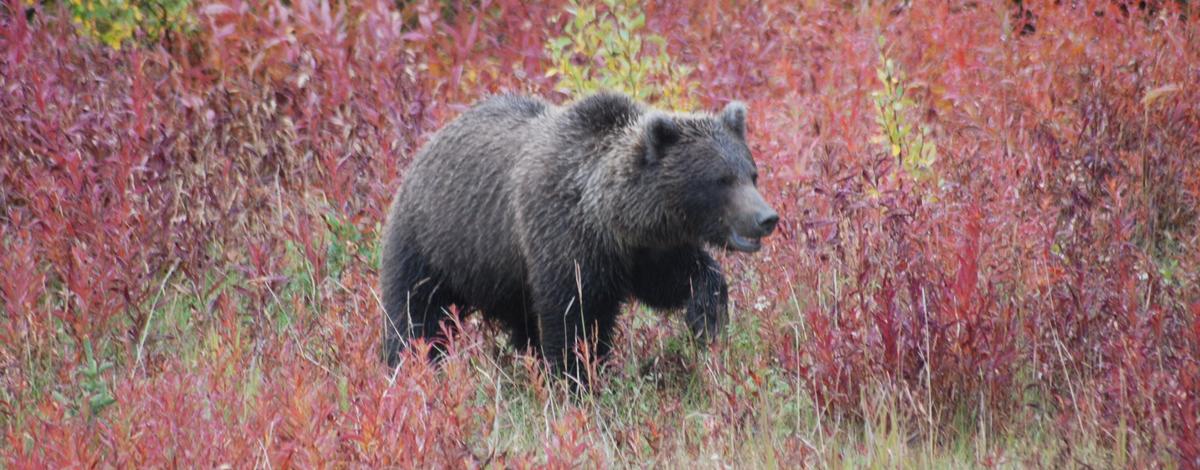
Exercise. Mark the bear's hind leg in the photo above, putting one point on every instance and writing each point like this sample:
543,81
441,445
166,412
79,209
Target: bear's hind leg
524,338
517,318
416,301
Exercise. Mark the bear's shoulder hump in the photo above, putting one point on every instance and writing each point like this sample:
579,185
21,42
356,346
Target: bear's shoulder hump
603,112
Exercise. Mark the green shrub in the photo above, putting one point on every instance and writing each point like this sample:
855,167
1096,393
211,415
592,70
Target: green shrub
115,21
914,149
606,49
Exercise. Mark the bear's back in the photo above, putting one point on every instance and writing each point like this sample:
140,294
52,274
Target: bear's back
455,205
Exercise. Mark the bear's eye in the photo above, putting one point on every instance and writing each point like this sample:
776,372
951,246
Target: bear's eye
754,178
727,180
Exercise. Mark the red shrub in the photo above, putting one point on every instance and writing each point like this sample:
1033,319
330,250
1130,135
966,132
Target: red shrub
218,193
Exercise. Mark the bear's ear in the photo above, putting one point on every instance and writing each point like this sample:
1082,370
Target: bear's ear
660,131
734,117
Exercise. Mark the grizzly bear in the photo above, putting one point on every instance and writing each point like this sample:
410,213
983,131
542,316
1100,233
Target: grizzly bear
548,218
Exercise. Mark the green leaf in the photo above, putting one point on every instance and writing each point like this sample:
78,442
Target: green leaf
100,402
560,42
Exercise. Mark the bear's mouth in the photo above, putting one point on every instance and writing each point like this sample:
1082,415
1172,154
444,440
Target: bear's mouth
741,243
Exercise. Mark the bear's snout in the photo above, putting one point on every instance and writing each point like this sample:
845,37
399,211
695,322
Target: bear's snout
767,221
750,219
752,216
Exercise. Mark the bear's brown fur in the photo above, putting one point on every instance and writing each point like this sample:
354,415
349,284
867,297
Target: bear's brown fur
547,218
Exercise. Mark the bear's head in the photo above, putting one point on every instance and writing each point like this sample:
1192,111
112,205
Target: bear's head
700,167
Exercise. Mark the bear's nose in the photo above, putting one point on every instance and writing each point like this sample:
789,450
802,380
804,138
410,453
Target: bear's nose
767,221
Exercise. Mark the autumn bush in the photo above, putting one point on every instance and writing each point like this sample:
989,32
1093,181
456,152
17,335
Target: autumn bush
988,252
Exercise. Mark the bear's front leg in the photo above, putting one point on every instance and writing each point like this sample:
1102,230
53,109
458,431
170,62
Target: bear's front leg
684,276
576,317
708,309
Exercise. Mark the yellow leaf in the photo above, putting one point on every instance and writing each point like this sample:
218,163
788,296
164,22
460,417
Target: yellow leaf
1152,95
895,150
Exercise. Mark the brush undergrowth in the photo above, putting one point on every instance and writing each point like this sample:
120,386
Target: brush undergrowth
987,254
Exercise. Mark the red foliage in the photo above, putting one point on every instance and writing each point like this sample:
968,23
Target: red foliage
1051,266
